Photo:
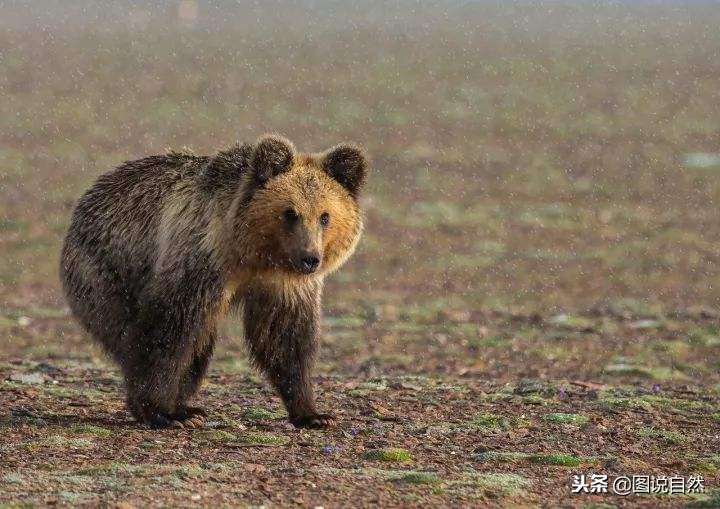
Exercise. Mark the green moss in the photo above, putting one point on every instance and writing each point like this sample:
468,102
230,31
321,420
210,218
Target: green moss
72,392
58,441
9,384
500,483
707,465
559,459
90,429
612,398
561,418
259,414
665,437
535,399
263,439
59,392
415,477
665,403
495,421
487,420
186,471
497,397
388,454
214,436
222,421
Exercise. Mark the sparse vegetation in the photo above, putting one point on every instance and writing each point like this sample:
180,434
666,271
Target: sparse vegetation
263,439
415,477
498,484
260,413
390,454
665,437
537,274
90,429
214,436
562,418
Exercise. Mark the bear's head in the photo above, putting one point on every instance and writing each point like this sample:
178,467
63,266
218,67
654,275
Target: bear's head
301,214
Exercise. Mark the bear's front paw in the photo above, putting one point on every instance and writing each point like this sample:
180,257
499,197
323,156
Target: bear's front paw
159,420
190,416
314,421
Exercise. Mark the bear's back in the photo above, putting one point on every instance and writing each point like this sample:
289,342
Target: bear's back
115,223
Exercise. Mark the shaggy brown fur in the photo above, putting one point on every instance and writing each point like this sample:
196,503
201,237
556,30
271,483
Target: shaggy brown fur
160,248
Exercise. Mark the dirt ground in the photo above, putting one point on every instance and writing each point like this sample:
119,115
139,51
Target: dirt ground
537,294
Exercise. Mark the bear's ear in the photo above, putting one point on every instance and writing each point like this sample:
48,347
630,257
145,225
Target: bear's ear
347,164
272,156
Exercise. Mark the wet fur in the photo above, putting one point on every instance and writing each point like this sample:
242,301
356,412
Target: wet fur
160,248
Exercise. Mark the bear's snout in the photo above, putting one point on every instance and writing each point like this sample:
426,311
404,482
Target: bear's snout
309,262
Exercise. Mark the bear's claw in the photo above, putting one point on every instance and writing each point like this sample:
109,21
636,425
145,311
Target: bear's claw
187,417
191,417
158,420
315,421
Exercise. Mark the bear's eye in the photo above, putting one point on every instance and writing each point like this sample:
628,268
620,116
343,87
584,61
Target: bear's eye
324,219
290,216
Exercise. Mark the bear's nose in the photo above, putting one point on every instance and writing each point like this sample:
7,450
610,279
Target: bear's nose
309,263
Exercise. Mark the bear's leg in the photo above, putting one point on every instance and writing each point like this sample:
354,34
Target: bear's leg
158,350
153,382
172,318
189,384
281,333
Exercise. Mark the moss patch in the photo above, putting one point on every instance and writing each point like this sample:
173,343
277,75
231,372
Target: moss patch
562,418
500,483
58,441
214,436
707,465
263,439
90,429
389,454
495,421
665,437
415,477
257,413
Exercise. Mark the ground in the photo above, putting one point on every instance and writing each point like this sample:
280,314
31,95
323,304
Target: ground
537,294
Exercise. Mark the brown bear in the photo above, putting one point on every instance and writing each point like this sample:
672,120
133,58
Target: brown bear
160,248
